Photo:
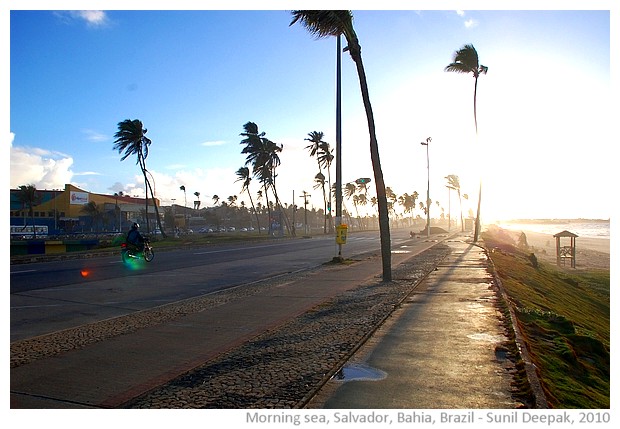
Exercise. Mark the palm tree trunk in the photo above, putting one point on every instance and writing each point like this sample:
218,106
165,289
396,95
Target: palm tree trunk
279,205
254,210
268,209
146,189
384,220
324,209
477,227
161,229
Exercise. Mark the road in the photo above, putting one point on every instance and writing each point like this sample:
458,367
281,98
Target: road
51,296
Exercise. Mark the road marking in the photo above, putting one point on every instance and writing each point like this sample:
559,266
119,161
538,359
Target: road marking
23,271
239,249
36,306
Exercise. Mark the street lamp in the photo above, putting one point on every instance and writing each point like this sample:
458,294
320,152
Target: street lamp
428,190
338,142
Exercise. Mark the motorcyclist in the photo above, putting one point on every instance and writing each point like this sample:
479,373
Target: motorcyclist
135,238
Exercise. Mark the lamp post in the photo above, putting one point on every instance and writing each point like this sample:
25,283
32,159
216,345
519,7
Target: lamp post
428,189
184,207
338,142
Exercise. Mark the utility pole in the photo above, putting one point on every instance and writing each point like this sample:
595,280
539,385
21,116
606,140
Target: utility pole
305,197
338,143
428,190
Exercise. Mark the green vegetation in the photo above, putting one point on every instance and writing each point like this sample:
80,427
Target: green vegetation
564,317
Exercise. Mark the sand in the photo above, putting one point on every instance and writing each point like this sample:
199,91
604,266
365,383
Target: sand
591,252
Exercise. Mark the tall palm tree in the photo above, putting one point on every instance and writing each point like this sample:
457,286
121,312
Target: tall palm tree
325,23
325,158
29,197
454,184
131,139
319,182
465,60
262,154
243,176
320,149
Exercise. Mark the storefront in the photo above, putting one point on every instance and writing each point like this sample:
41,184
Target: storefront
66,212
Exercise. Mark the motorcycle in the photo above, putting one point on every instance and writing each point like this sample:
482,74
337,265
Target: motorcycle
129,252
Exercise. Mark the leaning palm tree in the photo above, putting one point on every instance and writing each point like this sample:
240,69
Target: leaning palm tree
131,139
243,176
262,154
325,23
466,61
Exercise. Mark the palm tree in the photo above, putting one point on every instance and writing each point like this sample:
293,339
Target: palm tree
95,212
319,182
243,176
325,23
29,197
197,203
262,154
324,157
131,139
466,61
182,187
455,184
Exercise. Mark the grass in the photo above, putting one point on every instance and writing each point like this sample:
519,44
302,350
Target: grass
565,319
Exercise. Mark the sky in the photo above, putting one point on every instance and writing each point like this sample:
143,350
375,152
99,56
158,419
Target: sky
195,77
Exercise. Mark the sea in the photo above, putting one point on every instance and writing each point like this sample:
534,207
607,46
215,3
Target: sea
592,228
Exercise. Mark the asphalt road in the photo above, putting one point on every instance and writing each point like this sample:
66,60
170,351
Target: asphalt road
51,296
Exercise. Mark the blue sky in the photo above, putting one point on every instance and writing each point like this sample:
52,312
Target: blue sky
195,77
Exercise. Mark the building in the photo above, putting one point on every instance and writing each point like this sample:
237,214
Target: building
63,211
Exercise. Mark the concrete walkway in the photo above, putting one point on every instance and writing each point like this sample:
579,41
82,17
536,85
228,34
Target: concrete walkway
442,349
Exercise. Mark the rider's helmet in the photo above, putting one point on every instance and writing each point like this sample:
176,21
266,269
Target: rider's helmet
135,226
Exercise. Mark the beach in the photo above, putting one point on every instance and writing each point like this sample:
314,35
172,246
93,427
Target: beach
591,252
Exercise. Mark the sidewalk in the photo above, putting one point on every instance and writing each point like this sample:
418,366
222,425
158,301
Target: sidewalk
439,349
442,349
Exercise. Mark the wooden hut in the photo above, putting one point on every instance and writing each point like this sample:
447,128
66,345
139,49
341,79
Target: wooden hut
565,252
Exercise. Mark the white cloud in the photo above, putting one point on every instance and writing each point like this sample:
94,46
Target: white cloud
460,12
42,168
93,18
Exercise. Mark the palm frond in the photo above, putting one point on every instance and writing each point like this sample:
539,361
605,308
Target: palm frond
324,23
465,60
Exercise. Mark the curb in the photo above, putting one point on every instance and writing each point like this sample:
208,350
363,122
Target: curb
531,371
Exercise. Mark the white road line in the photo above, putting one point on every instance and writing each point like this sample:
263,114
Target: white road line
23,271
